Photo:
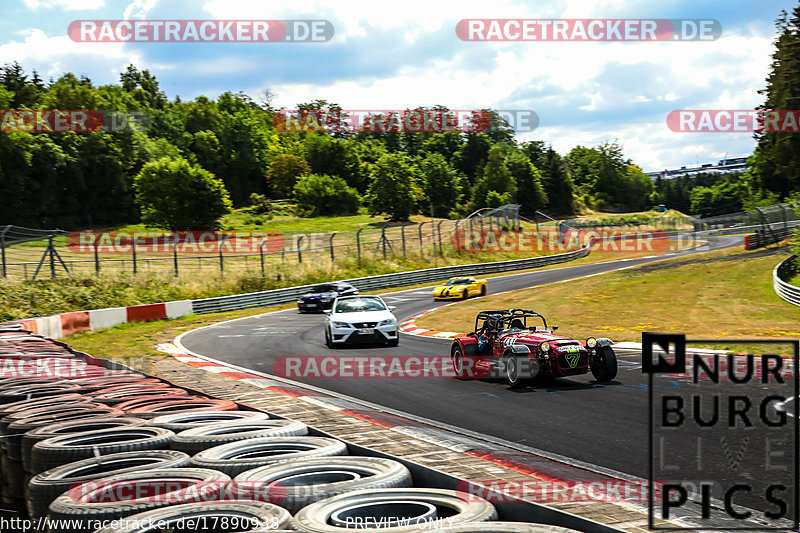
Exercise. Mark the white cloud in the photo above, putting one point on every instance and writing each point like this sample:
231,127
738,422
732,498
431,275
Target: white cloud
138,9
66,5
52,56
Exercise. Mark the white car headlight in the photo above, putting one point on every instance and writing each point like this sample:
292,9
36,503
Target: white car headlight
591,342
387,322
340,324
327,299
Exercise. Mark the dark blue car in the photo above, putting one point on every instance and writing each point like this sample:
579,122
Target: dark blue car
321,297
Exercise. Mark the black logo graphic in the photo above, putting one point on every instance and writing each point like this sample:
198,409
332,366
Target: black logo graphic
672,345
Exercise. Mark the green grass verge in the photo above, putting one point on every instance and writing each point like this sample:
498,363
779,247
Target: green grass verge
134,343
724,294
25,299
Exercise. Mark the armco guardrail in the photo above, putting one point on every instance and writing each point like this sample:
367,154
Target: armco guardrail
782,272
384,281
734,230
388,281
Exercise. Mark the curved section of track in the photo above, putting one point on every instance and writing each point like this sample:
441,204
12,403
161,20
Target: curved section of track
601,424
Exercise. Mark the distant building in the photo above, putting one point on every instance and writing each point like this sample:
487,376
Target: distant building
723,166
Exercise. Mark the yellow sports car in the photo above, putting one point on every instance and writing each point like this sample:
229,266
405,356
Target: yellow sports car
456,288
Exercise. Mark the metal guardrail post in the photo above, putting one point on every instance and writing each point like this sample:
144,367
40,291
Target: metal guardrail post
221,258
50,247
3,249
261,256
383,241
96,258
133,249
785,218
433,240
299,249
403,239
330,243
439,231
419,229
358,244
175,258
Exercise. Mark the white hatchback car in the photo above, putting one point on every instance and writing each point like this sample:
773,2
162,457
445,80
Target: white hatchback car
360,320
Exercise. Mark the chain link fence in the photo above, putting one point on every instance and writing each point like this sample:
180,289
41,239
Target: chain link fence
33,254
30,254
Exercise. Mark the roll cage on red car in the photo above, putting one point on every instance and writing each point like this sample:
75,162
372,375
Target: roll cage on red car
518,345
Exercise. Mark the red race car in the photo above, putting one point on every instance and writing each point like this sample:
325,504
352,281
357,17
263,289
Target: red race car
518,345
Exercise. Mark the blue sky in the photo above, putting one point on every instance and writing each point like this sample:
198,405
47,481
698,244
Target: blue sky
406,54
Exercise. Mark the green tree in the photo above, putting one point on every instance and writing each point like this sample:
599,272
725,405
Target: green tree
175,195
530,191
439,184
718,199
25,92
775,166
205,147
283,173
496,177
325,195
609,179
447,144
335,157
471,157
144,87
394,189
495,199
558,184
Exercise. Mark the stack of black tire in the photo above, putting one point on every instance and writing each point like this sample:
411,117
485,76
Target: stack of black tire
121,451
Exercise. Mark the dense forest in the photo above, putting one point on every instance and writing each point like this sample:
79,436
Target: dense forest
207,156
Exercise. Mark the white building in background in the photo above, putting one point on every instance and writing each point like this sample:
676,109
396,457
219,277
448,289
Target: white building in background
723,166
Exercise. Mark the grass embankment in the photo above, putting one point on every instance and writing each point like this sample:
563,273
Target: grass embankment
26,299
242,220
724,294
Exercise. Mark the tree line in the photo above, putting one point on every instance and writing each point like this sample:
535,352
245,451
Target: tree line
195,160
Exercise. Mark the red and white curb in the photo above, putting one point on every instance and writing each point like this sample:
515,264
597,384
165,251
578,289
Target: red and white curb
410,327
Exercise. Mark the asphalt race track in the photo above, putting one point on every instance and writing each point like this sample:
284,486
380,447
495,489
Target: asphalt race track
604,425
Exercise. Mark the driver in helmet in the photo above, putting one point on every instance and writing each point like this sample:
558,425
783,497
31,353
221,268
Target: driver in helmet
489,330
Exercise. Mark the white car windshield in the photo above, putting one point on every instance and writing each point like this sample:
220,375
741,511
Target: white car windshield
356,305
